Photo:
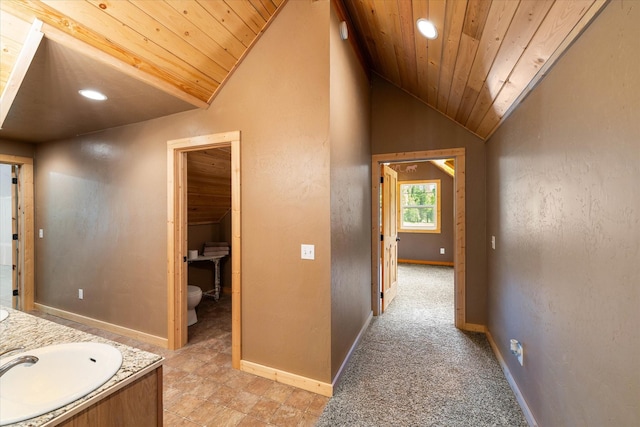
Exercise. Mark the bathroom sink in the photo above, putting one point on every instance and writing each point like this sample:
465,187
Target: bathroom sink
3,314
63,373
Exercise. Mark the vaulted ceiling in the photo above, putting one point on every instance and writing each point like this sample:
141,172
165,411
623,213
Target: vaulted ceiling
488,56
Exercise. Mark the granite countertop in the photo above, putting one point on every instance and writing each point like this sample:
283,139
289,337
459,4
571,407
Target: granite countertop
31,332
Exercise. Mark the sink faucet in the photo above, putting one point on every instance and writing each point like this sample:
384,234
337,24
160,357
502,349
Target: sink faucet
27,360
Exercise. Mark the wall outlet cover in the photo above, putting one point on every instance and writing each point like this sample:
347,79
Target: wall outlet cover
307,251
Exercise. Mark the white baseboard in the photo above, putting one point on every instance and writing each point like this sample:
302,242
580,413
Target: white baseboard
120,330
288,378
507,373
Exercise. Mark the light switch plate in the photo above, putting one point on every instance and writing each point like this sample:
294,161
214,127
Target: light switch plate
441,251
307,251
493,242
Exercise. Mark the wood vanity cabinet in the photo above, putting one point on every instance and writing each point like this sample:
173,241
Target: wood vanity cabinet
138,404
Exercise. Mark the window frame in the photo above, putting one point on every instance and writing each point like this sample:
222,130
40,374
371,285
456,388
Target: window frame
438,206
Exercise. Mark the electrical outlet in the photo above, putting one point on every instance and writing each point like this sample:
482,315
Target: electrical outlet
441,251
41,233
80,294
493,242
307,251
517,350
520,354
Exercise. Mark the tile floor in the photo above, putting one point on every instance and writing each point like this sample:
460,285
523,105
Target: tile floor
201,388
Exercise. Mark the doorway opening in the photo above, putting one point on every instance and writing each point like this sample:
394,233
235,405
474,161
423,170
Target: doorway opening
177,231
16,232
458,156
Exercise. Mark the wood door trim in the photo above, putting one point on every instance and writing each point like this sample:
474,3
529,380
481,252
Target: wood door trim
26,228
459,229
176,233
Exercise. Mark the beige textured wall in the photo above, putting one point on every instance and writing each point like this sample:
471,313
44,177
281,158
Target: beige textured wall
114,184
350,197
564,205
401,123
12,148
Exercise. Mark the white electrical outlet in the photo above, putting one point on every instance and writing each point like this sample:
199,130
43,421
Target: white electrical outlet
517,350
80,294
307,251
441,251
520,354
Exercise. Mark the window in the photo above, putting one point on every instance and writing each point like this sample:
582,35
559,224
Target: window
419,206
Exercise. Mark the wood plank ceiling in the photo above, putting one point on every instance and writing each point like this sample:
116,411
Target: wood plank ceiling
188,47
489,53
488,56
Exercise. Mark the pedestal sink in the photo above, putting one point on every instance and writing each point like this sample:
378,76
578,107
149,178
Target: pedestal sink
3,314
63,374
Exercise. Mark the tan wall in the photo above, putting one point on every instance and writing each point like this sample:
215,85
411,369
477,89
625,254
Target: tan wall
426,246
116,191
21,149
350,197
564,205
401,123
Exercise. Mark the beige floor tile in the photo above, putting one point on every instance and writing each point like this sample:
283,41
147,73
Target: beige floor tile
249,421
227,417
278,392
299,399
317,404
243,401
264,409
286,416
185,406
204,413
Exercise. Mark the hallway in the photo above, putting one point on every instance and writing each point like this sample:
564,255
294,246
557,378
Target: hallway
414,368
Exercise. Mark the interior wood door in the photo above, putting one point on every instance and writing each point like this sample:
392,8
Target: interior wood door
389,240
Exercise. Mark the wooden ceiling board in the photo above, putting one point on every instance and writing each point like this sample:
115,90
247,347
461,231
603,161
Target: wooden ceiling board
208,185
190,45
488,55
13,34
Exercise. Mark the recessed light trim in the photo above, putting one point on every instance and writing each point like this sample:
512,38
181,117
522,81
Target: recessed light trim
427,28
93,94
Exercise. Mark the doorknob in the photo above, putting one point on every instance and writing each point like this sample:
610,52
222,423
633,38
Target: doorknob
397,239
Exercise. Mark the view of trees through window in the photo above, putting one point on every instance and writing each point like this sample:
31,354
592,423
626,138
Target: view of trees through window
419,205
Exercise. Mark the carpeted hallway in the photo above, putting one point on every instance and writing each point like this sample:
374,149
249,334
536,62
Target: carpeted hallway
414,368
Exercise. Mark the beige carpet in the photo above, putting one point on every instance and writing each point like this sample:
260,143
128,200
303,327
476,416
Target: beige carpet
414,368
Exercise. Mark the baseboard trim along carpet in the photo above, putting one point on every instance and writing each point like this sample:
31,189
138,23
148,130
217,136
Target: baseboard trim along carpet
336,379
512,383
309,384
473,327
116,329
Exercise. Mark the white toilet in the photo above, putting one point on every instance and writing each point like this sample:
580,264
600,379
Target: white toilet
194,295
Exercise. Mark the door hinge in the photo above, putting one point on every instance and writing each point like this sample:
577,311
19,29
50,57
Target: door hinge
15,293
382,295
14,180
382,180
15,237
382,237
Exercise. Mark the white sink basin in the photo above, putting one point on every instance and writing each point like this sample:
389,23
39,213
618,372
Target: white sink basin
63,373
3,314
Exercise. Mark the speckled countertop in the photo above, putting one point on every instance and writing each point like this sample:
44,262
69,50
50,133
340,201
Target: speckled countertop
31,332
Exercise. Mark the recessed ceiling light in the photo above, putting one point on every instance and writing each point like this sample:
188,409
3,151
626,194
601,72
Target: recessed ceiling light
427,28
92,94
